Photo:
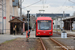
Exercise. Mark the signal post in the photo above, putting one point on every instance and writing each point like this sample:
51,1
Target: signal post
28,19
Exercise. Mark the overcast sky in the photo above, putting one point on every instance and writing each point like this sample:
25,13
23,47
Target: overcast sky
50,6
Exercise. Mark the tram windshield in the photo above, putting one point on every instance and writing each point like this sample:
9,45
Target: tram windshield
44,25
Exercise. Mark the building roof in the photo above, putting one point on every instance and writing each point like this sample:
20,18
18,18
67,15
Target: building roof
51,15
68,18
17,20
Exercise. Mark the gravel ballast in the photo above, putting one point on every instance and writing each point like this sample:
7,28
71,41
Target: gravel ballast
68,42
21,44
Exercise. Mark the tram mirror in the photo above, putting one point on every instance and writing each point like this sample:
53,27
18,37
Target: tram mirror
53,23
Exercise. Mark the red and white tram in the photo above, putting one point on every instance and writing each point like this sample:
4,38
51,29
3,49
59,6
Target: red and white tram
44,26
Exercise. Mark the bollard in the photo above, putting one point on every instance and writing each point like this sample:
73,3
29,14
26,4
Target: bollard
63,34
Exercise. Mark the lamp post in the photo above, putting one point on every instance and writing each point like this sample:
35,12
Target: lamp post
2,19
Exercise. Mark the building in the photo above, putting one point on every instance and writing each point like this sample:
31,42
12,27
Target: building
32,21
18,24
58,23
51,15
10,10
69,23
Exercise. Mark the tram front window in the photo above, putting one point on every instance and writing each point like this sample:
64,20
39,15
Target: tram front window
44,25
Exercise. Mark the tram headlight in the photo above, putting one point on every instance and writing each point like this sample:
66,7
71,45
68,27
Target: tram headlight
50,33
38,32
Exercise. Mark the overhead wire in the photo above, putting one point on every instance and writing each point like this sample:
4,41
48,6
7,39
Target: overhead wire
71,1
60,8
62,5
70,6
32,4
45,1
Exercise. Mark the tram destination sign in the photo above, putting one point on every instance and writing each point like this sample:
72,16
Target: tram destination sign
44,21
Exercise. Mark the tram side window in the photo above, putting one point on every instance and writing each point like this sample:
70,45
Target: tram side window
38,25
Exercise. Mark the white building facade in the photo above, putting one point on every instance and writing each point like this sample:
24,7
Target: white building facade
7,10
58,23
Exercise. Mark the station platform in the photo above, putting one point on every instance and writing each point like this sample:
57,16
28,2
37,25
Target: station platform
68,32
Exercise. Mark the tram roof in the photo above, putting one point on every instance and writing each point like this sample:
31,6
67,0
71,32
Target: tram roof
44,18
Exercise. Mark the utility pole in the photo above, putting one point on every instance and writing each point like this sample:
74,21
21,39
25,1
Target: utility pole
5,16
56,23
21,9
61,23
2,18
63,16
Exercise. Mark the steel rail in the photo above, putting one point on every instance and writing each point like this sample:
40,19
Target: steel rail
59,44
42,44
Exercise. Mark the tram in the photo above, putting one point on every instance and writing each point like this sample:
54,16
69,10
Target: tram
44,26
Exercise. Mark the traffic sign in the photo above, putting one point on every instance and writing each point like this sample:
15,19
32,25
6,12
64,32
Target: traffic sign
4,17
13,17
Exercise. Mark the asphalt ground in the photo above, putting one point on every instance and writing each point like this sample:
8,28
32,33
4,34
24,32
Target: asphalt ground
67,41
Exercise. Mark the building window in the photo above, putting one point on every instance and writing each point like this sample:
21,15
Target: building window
58,26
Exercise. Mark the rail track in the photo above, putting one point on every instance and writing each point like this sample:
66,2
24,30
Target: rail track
51,44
